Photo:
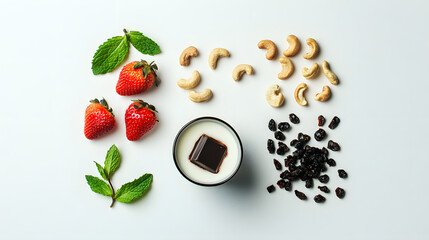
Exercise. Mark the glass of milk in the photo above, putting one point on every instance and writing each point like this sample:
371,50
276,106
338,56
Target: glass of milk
215,128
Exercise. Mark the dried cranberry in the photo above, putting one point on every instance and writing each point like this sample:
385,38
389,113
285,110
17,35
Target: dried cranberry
300,195
272,125
320,134
321,120
271,188
342,173
293,118
283,126
324,178
334,123
277,164
279,136
333,146
270,146
319,198
281,183
340,192
324,189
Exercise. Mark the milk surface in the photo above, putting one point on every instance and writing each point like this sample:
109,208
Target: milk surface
214,129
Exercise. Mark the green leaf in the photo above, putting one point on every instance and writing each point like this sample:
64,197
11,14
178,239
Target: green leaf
135,189
99,186
142,43
110,54
112,161
101,171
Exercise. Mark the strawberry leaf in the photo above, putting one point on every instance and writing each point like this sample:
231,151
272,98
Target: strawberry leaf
142,43
134,190
99,186
110,54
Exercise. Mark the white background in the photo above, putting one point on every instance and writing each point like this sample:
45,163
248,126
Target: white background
379,50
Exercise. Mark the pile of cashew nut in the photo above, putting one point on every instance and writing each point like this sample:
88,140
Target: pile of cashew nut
273,95
194,80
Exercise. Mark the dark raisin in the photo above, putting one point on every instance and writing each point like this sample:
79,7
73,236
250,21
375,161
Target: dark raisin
279,136
309,183
277,164
299,145
334,123
288,186
325,152
320,134
283,126
321,120
270,146
271,188
293,118
333,146
303,138
324,178
281,183
272,125
340,192
331,162
324,189
319,198
342,173
300,195
282,149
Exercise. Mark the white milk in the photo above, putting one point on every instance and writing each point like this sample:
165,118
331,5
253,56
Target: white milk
214,129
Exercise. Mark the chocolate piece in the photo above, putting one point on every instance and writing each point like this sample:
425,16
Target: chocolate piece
208,153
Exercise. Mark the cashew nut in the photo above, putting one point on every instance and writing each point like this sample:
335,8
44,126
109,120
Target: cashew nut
324,95
294,46
191,82
239,71
287,68
215,54
274,96
299,94
314,49
311,72
333,79
271,48
199,97
185,57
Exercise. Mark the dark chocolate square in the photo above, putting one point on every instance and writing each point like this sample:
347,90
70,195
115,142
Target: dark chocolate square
208,153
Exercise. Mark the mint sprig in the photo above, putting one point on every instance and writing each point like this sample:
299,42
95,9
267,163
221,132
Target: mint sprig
128,192
112,52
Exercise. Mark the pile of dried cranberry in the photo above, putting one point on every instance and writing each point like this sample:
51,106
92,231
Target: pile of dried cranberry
306,163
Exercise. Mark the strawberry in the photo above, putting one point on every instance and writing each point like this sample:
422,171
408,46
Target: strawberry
136,77
139,119
99,119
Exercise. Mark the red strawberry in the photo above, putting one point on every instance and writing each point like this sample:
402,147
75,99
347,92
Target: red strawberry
136,77
99,119
139,119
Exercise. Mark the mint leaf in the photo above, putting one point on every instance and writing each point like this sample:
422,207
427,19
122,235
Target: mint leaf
110,54
142,43
134,190
112,161
101,171
99,186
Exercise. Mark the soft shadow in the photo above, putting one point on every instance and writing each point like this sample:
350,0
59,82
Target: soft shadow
244,180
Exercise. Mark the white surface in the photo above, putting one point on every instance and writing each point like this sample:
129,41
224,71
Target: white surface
214,129
379,49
